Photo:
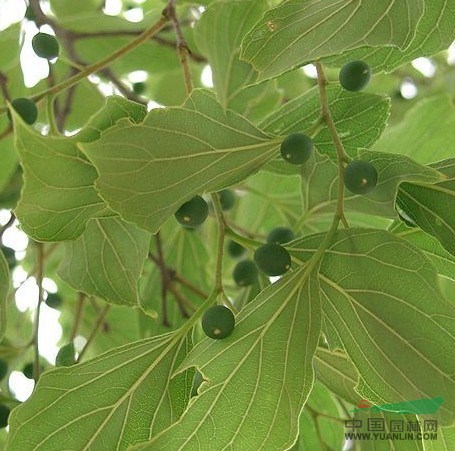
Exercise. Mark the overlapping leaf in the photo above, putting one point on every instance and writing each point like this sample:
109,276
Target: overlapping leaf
426,134
432,207
258,378
381,296
434,32
59,196
147,171
296,32
111,402
218,35
359,118
107,260
320,187
443,261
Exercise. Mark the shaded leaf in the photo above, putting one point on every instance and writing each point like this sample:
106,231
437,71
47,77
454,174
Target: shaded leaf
5,287
106,260
218,35
320,183
58,197
432,207
359,118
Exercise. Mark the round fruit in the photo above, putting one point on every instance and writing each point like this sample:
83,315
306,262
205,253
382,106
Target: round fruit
139,88
235,250
355,75
296,148
66,355
3,368
272,259
28,370
245,273
360,177
218,322
4,414
280,235
53,300
227,199
26,109
193,213
10,256
45,46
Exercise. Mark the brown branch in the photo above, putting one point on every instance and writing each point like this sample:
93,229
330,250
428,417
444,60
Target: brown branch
39,281
181,45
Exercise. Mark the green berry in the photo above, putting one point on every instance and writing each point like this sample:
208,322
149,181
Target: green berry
272,259
26,109
234,249
280,235
227,199
10,256
218,322
53,300
245,273
28,370
360,177
355,75
193,213
296,148
3,368
139,88
4,414
66,355
45,46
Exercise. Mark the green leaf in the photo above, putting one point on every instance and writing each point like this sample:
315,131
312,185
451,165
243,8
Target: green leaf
446,438
111,402
426,133
359,118
434,32
321,412
116,108
5,287
59,196
443,261
218,35
68,8
320,187
432,207
265,365
9,47
106,260
146,172
296,32
375,289
337,373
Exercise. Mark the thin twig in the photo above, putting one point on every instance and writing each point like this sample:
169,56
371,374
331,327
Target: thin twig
185,282
95,330
181,45
165,279
342,157
78,315
7,225
39,282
